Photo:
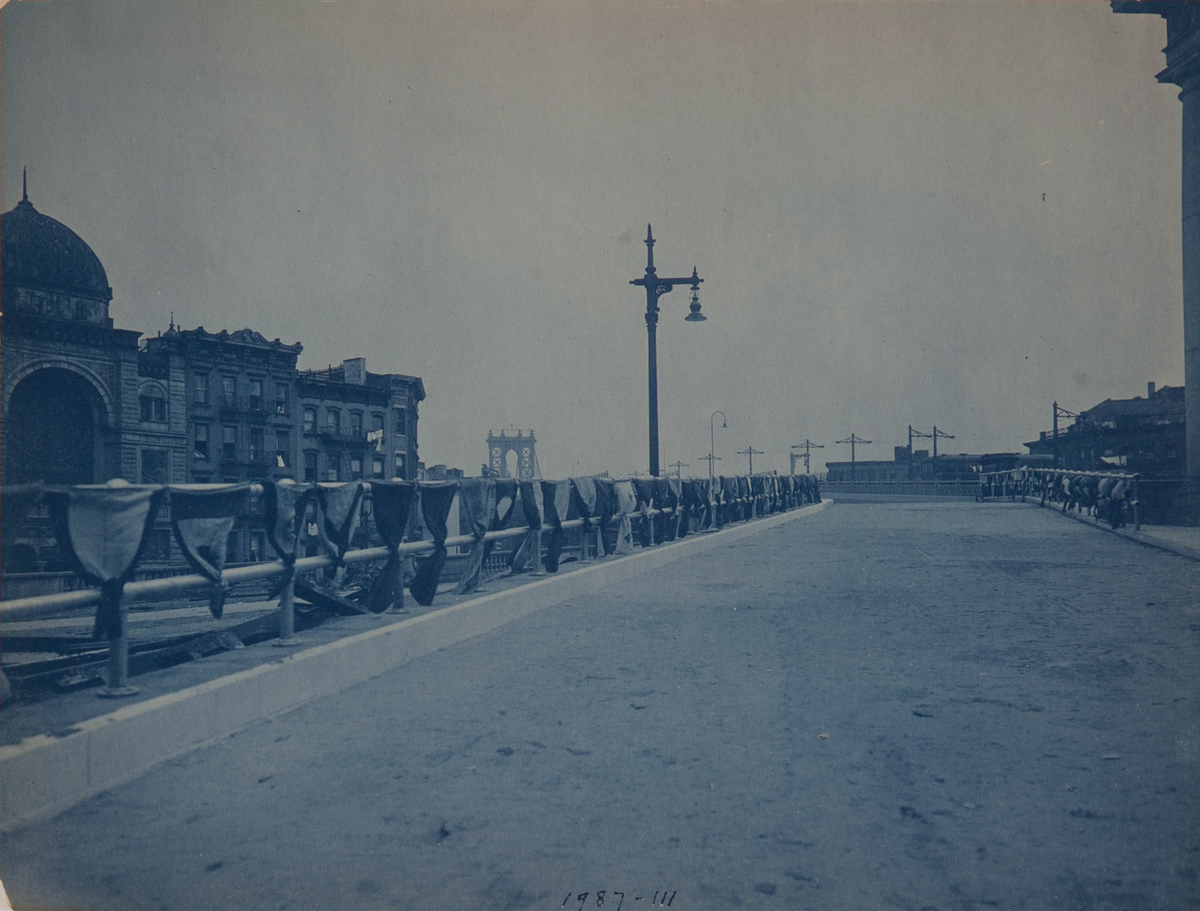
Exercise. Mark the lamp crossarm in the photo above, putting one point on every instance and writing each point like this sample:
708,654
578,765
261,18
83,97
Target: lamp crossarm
663,285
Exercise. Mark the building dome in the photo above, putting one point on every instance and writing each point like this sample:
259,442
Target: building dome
38,252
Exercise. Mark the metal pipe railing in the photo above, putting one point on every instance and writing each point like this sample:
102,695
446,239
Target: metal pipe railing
44,606
1044,478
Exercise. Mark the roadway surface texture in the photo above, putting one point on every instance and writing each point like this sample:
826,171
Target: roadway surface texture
923,705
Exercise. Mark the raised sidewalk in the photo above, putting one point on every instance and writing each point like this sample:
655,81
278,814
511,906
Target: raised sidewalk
45,774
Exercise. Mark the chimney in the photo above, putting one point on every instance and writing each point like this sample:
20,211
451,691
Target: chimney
1150,390
354,371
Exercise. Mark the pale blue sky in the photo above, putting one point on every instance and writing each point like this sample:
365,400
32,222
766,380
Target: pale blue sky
948,213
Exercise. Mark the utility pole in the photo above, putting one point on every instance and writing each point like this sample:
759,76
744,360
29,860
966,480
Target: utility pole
916,433
752,452
852,440
937,433
1059,412
710,458
807,446
679,466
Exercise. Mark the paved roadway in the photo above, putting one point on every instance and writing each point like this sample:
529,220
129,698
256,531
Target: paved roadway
925,706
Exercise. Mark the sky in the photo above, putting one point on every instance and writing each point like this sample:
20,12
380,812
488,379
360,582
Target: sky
925,213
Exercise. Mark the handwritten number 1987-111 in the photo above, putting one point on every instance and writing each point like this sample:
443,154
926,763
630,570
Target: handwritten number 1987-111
601,898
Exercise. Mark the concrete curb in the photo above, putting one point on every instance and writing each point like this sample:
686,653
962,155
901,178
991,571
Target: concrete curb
44,775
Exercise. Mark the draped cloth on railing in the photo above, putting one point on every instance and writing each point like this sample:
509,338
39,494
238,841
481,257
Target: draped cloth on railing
645,495
743,495
19,501
729,497
436,498
531,545
691,506
584,495
666,496
606,508
340,507
202,521
477,509
556,505
104,530
284,505
704,516
487,505
713,488
506,502
627,503
391,503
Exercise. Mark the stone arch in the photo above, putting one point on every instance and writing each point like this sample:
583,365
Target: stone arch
100,388
155,387
53,427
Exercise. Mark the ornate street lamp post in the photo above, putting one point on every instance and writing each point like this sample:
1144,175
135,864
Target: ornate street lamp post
655,288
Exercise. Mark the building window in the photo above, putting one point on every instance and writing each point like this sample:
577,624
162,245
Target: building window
152,404
154,466
200,389
283,449
228,390
158,546
310,467
355,468
257,452
310,420
333,420
256,390
377,467
334,471
399,465
258,546
402,422
356,423
377,421
281,398
200,435
228,442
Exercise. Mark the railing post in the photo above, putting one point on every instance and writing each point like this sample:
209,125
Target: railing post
287,616
118,658
1137,521
539,565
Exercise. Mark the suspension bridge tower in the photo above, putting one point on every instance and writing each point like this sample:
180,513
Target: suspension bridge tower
501,443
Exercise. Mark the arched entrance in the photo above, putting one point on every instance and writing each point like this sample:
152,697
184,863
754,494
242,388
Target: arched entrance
52,429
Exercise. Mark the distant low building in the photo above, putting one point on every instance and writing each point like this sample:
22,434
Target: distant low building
1142,435
919,466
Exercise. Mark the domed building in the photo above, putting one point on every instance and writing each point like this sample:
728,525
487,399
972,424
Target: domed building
70,379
